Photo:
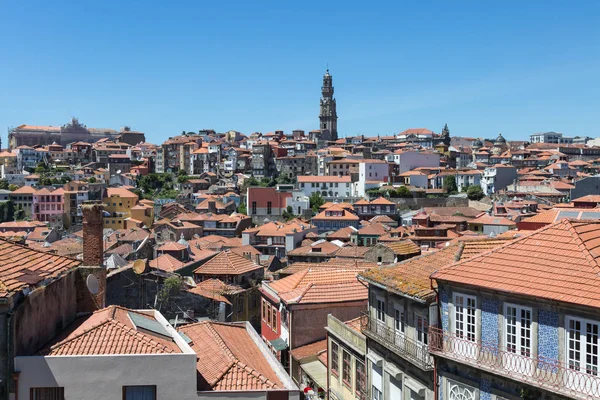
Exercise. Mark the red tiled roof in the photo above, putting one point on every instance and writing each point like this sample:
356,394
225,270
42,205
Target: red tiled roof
412,276
22,267
558,262
167,263
309,350
320,286
110,331
215,289
229,359
227,263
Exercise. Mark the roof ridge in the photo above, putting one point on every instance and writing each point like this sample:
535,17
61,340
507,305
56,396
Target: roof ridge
584,250
497,248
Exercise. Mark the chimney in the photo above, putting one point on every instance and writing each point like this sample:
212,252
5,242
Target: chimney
212,207
91,280
257,259
93,243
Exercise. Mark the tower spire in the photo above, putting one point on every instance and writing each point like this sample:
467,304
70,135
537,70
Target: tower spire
328,114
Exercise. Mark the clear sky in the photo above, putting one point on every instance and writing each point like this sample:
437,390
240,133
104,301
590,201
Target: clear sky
515,67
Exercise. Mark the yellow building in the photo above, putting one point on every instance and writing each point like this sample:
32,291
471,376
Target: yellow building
144,212
118,204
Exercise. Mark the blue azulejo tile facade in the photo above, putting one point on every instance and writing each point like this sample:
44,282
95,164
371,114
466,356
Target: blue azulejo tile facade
548,339
444,300
485,389
489,323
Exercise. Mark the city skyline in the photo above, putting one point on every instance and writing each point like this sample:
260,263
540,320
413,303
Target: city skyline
164,70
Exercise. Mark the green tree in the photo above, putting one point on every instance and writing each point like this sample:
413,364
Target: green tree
12,187
41,168
65,179
450,184
316,201
20,214
475,193
10,211
288,213
3,184
170,288
182,178
242,209
403,192
92,180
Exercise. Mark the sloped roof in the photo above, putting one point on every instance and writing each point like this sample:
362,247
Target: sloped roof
411,277
558,262
228,358
320,286
22,267
227,263
166,263
215,289
110,331
403,247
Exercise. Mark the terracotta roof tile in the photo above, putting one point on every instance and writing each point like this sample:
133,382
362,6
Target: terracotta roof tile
309,350
227,263
412,276
229,359
558,262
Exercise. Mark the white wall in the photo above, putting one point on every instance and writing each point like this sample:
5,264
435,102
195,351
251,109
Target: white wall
103,377
410,160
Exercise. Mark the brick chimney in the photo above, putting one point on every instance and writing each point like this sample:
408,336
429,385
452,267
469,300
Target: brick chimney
93,260
212,207
93,243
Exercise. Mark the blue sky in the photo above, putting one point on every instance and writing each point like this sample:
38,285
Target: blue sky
163,67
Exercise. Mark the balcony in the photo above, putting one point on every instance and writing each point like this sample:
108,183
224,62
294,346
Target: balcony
407,348
546,374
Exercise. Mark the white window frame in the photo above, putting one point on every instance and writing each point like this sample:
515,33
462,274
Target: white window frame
421,334
516,362
399,323
518,345
583,345
462,390
465,323
378,317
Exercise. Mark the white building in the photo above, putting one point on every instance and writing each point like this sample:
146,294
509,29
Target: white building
410,159
121,354
497,178
371,174
550,137
466,178
328,186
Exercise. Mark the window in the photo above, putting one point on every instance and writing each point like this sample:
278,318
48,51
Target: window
346,368
422,327
464,316
139,392
274,316
53,393
380,310
518,329
361,380
377,395
253,207
460,392
268,315
269,204
399,319
582,345
334,358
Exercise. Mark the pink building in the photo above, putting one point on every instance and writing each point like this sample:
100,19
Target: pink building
48,206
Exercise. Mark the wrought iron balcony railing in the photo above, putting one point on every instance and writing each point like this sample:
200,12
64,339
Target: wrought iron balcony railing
407,348
575,381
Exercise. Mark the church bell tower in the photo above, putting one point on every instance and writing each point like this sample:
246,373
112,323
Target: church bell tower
328,115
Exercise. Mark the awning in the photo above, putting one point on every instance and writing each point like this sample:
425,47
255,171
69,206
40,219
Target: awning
278,344
316,371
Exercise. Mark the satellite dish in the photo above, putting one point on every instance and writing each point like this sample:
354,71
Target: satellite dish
139,267
92,284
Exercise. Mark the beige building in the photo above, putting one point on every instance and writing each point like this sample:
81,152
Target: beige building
346,359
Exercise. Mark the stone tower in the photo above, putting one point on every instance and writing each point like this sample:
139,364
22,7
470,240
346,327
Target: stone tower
328,115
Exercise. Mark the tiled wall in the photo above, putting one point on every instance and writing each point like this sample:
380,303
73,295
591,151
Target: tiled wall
444,304
485,389
489,322
547,336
